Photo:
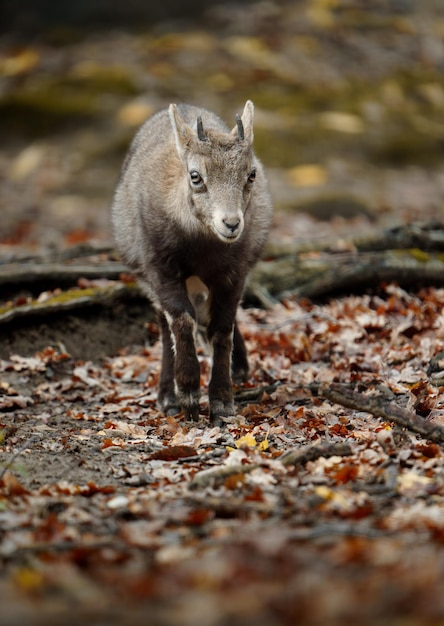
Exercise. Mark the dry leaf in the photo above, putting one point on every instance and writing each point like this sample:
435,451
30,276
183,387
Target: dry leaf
172,453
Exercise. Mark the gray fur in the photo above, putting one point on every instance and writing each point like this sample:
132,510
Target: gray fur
188,205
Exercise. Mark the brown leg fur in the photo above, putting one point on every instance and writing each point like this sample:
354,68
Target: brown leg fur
239,358
187,369
166,397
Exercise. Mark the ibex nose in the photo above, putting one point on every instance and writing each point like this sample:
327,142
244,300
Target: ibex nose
232,225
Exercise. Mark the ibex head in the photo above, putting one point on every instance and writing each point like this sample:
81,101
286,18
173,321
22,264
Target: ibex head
219,166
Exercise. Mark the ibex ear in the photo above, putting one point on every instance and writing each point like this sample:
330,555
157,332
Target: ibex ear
244,126
183,134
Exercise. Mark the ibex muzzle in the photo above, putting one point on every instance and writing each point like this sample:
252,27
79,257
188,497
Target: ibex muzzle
191,214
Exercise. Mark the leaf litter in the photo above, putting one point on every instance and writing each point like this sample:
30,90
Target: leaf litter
299,509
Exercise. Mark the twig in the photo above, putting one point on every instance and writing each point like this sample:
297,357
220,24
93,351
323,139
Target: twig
16,273
254,394
16,454
300,456
378,406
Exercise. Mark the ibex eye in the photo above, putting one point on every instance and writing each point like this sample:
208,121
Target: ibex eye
195,177
252,176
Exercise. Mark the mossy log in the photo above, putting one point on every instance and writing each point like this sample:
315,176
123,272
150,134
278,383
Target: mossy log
412,256
325,275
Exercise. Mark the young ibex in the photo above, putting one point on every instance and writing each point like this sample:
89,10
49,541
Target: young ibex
191,214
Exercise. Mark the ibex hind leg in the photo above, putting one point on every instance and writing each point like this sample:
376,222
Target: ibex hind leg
239,358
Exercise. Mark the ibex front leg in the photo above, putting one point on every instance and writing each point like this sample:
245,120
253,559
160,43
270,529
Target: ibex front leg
220,333
239,357
180,374
166,396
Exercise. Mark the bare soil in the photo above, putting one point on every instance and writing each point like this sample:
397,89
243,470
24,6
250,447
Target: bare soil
91,334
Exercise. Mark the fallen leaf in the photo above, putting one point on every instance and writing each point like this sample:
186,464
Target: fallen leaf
247,441
410,482
12,486
172,453
29,579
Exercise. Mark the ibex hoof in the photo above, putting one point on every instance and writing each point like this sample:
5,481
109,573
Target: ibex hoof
168,405
220,409
190,405
240,375
192,412
172,410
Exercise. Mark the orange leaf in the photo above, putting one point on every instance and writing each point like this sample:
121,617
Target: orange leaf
199,517
429,450
172,453
13,486
234,481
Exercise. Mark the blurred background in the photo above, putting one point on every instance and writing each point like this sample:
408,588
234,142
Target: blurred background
349,98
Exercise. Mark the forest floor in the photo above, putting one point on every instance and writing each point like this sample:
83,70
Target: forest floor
307,507
298,510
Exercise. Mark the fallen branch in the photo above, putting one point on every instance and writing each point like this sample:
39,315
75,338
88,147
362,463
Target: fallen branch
217,475
300,456
408,268
254,394
410,256
304,277
84,250
378,406
59,273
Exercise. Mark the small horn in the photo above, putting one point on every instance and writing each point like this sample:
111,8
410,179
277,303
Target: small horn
200,130
240,127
